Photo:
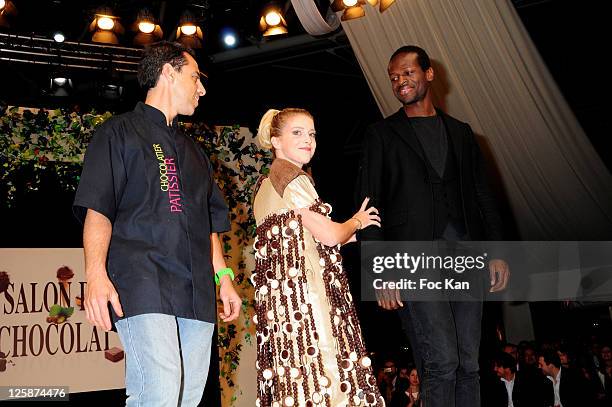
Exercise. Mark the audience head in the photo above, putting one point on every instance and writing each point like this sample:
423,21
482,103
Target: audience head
511,349
549,362
504,365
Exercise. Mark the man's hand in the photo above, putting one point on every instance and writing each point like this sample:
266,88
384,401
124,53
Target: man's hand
499,271
389,299
100,291
231,301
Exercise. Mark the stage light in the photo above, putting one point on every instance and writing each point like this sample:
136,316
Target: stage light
188,29
60,83
146,27
385,4
8,11
229,40
111,85
147,31
188,32
59,37
353,8
273,18
105,23
272,22
105,27
352,13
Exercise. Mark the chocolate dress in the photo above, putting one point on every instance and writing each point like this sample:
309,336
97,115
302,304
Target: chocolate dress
309,346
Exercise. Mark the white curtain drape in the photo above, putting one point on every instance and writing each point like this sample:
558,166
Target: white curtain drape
489,74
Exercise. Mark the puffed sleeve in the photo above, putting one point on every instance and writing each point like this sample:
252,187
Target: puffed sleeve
103,178
300,193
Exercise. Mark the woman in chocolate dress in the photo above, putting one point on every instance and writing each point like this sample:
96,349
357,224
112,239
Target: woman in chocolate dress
309,346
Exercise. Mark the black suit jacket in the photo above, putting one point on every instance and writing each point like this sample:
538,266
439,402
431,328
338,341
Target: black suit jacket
573,389
393,173
527,392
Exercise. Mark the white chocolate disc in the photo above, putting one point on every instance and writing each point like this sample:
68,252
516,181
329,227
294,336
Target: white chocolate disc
366,361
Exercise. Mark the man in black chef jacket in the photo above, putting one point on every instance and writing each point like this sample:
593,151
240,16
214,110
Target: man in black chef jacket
151,212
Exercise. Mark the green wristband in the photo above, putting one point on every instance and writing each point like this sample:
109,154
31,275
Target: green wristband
223,272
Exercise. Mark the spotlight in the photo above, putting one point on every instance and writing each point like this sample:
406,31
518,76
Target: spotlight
385,4
59,37
229,40
111,87
273,18
105,23
147,30
146,27
272,22
353,8
7,13
60,83
229,37
188,32
105,27
352,13
188,29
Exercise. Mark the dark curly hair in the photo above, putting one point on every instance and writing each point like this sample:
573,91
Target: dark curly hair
155,56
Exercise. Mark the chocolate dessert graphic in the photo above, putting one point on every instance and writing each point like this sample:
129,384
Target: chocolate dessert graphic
4,362
64,274
5,280
114,354
59,313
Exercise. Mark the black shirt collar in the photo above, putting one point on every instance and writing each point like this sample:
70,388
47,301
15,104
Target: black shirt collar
155,115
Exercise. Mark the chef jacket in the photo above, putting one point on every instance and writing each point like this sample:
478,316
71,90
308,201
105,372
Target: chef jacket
156,187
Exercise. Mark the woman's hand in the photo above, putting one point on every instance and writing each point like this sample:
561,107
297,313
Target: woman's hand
367,217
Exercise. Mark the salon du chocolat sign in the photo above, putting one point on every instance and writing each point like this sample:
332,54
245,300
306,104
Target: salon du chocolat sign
45,339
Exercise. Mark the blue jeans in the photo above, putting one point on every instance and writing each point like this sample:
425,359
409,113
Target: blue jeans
167,359
445,337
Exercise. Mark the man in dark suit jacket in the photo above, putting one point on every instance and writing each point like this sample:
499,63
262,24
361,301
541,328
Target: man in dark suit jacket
569,388
425,173
524,391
